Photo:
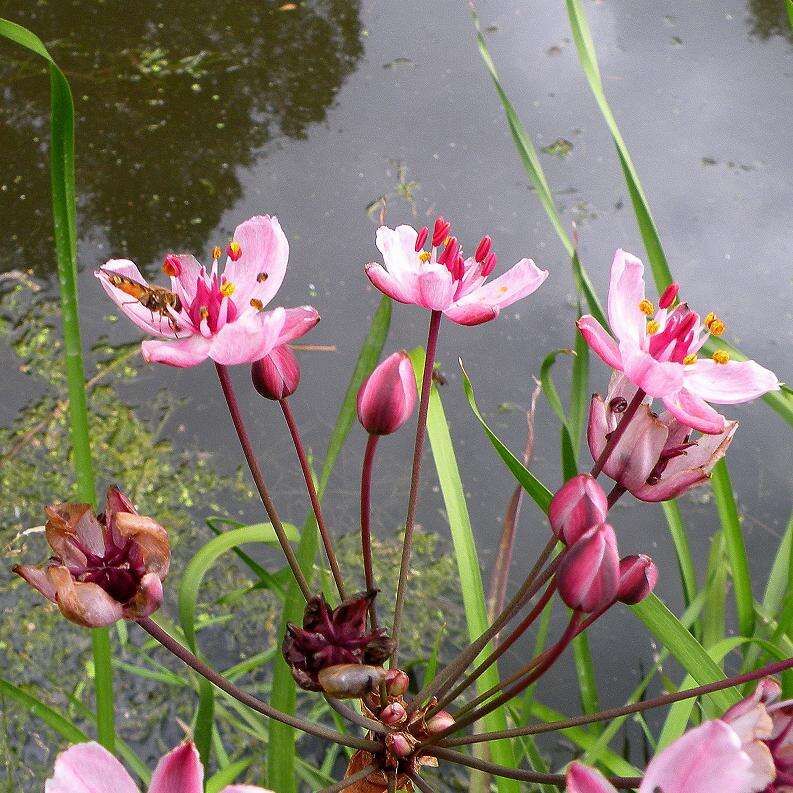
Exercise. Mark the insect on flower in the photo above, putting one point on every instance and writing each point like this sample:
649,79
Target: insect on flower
157,299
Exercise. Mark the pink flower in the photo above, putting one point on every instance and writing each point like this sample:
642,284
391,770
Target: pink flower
442,280
659,355
387,397
589,572
707,759
577,506
657,457
89,768
104,568
207,315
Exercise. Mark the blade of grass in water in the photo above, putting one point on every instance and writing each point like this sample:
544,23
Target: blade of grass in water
685,562
64,217
281,744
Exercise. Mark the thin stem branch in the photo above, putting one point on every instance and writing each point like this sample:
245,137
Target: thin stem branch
624,783
519,630
258,478
415,479
421,784
214,677
346,712
350,780
616,494
624,710
619,430
366,529
327,541
456,667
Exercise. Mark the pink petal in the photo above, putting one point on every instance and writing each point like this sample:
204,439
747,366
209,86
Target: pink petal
694,412
469,313
89,768
705,759
265,249
729,383
186,283
151,322
582,779
518,282
398,247
179,771
183,353
626,291
248,338
598,338
435,287
657,378
387,284
298,322
147,599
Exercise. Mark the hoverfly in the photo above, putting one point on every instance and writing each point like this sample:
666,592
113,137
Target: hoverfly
157,299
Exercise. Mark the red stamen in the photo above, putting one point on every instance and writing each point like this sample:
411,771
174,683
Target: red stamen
669,296
421,238
440,232
483,249
489,264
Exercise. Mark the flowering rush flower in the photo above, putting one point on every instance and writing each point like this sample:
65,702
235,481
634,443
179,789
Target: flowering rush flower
443,280
747,750
657,457
90,768
103,568
207,315
657,351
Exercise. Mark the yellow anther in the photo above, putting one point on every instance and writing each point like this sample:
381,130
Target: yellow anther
653,326
689,359
257,304
721,356
261,277
235,247
646,307
425,256
216,252
447,241
709,317
716,327
227,289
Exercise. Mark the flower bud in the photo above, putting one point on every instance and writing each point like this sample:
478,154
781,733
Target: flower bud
589,573
440,722
277,375
638,575
396,682
578,505
393,714
400,744
387,397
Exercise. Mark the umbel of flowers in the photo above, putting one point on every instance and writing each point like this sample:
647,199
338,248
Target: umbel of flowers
110,567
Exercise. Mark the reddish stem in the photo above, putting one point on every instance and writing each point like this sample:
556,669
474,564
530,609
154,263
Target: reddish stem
619,430
258,478
312,494
415,477
366,531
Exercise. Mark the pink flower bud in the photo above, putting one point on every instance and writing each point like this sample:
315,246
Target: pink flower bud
578,505
441,721
421,238
387,397
440,232
400,744
393,714
483,249
638,575
669,295
589,572
489,264
277,375
396,682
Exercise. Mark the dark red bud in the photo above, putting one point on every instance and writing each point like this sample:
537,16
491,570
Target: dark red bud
589,572
277,375
638,575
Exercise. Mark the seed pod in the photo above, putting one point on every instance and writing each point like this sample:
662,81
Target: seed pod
350,681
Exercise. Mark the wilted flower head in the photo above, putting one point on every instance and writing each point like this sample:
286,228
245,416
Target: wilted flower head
90,768
331,637
103,568
387,397
657,457
208,315
658,351
441,279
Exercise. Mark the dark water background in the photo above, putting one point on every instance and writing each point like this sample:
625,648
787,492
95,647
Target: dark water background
194,116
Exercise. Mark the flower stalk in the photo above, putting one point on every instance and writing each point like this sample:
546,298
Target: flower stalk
366,528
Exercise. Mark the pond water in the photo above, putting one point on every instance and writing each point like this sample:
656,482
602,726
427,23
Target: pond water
192,117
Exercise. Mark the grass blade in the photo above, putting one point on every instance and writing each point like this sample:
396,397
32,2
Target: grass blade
281,746
467,559
685,562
